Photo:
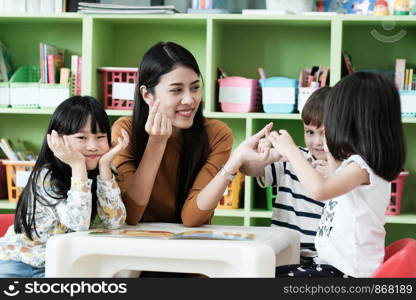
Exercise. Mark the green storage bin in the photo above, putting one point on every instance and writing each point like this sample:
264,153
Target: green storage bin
24,87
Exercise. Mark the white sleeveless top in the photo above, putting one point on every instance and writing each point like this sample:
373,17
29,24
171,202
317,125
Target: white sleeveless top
351,232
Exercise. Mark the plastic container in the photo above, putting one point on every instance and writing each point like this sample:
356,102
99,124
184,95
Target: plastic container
239,94
233,193
17,174
4,94
118,86
303,95
408,103
397,187
279,94
293,6
24,87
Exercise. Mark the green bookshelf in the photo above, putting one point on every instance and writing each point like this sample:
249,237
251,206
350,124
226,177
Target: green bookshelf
239,44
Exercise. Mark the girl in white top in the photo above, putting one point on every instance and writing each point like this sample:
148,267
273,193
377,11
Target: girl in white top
366,150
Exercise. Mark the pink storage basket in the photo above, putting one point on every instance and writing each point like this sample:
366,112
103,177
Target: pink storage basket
118,87
239,94
397,187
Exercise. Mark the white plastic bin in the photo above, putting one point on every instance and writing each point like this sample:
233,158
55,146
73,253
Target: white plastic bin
4,94
295,6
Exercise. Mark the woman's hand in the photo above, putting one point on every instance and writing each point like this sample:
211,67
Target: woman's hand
158,125
63,150
248,151
116,147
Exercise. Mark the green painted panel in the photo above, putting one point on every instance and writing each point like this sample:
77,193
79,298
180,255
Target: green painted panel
260,222
376,45
30,129
282,48
235,221
409,197
237,126
399,231
22,38
122,43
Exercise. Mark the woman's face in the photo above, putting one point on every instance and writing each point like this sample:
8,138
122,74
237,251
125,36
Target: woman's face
180,94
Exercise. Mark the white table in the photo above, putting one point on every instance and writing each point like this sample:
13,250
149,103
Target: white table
79,254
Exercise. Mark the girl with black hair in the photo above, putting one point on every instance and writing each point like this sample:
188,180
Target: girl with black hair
71,183
365,150
175,152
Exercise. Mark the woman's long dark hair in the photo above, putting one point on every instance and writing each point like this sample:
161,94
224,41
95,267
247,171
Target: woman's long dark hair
157,61
363,116
69,118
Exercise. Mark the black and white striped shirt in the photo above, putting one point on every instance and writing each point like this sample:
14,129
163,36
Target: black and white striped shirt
293,208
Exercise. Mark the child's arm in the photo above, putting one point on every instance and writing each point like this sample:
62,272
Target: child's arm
73,212
104,165
110,208
318,187
55,216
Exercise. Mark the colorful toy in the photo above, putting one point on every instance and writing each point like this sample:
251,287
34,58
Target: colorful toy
381,8
401,7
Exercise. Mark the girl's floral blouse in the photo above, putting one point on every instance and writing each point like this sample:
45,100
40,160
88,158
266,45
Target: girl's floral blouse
69,215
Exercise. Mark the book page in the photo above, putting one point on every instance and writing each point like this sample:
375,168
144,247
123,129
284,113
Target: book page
213,235
132,233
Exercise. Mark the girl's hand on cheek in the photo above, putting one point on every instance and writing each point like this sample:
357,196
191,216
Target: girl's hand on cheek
62,149
158,125
117,146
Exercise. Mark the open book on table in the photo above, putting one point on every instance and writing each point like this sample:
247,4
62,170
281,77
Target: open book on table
193,234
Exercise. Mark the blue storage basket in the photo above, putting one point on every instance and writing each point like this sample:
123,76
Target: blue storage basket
279,94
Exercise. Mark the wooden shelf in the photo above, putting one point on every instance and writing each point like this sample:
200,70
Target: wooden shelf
229,212
401,219
7,205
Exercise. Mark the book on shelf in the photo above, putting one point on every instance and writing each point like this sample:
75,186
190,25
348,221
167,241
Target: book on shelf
347,63
400,72
7,149
45,50
193,234
87,7
55,63
6,70
15,150
76,70
64,76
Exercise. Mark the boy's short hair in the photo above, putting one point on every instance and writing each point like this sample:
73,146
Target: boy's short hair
313,111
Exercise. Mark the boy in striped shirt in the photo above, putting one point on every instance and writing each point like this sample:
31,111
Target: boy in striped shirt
293,208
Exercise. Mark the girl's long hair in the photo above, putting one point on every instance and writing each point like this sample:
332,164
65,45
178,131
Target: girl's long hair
69,118
157,61
363,116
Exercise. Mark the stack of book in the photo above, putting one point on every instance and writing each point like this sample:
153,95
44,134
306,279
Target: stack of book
86,7
15,151
45,6
315,77
51,62
53,71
